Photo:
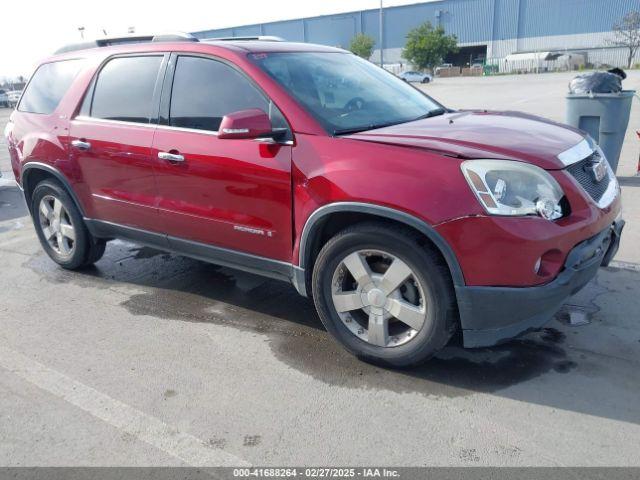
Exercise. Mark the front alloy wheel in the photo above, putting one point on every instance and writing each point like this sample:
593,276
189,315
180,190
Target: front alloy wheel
378,298
383,293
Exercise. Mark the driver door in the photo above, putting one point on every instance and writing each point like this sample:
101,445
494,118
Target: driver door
230,193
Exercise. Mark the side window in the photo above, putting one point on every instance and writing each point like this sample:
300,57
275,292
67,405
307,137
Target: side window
205,90
124,89
48,85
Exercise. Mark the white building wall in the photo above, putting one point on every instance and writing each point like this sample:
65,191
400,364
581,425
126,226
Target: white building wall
596,47
598,43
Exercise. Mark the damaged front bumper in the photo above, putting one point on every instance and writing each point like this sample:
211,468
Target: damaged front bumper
491,315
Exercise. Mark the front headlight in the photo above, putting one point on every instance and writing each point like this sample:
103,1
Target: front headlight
506,187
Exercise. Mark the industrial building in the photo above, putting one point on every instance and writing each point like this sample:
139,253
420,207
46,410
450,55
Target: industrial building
512,34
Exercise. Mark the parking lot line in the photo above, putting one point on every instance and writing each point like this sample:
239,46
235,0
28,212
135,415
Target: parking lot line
126,418
18,239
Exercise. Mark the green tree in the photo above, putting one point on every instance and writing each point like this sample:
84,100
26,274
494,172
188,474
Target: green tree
362,45
428,46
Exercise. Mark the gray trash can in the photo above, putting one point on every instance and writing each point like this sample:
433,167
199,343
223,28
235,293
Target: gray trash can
604,116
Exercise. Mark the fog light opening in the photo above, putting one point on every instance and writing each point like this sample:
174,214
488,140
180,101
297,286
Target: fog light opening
549,264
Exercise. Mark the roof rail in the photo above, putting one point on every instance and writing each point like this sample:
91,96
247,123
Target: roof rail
125,39
261,38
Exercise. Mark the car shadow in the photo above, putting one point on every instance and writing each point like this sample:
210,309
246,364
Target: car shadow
540,367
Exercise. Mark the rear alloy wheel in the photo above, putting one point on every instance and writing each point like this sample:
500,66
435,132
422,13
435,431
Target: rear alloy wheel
61,229
387,298
56,225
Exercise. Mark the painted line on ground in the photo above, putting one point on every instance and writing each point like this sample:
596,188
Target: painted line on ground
6,181
18,239
625,265
126,418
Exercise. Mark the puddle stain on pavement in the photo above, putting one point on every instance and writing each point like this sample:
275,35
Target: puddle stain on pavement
179,288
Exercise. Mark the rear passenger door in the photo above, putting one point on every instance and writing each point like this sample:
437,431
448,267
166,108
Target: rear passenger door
232,193
111,140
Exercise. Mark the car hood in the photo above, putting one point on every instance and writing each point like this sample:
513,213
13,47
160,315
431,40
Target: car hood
483,134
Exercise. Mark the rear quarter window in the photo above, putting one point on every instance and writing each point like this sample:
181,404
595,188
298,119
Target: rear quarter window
48,85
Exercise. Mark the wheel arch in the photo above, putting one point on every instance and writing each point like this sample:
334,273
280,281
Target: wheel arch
35,172
319,219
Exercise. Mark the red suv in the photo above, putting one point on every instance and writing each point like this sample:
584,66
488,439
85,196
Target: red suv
405,220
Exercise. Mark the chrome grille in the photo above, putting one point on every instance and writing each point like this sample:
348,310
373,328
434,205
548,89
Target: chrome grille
581,171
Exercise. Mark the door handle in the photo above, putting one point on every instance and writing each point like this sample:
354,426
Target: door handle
171,157
81,145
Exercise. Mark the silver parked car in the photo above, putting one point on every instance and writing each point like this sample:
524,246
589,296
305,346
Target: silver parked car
4,99
417,77
14,97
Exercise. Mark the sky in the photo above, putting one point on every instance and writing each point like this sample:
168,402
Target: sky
44,26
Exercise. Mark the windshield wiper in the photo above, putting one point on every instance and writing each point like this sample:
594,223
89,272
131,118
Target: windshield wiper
431,113
364,128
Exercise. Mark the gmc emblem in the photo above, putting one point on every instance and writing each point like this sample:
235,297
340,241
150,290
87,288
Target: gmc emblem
598,170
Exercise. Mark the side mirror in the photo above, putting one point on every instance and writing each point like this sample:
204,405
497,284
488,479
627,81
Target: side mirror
252,123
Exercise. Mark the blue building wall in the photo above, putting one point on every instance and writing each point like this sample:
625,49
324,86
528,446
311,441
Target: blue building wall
473,21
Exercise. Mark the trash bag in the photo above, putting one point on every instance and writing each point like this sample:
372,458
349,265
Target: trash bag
598,82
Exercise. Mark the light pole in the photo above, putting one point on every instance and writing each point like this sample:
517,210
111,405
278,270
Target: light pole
381,36
81,30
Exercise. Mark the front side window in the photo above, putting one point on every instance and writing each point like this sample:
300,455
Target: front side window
344,92
205,90
48,85
125,88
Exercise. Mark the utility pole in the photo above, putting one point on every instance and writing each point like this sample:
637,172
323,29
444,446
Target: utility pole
381,36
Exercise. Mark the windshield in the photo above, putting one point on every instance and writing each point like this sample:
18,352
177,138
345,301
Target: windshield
345,93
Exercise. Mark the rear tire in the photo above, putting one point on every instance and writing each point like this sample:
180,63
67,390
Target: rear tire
60,228
374,307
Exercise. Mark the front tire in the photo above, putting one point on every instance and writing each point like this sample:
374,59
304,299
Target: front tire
60,228
385,297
